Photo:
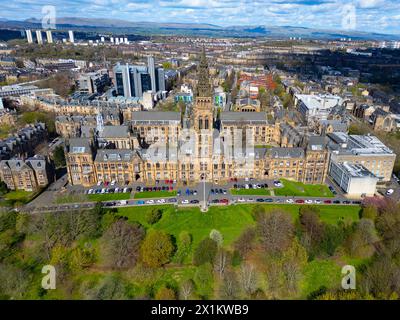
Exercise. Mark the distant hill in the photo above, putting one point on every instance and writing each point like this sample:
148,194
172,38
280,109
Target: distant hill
196,29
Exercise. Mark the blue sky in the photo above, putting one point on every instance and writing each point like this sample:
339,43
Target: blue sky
371,15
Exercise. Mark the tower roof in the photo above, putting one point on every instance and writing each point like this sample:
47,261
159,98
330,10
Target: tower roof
203,86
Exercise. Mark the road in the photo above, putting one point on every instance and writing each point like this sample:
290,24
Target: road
188,196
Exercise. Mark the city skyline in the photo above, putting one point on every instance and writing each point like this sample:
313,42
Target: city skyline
382,16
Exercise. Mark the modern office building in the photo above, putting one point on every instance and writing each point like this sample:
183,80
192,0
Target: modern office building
354,179
39,37
49,36
152,71
134,80
366,150
71,36
29,36
93,82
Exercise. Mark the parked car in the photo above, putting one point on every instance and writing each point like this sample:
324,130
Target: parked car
161,201
317,201
186,201
289,200
241,200
328,201
260,200
300,201
389,192
150,201
194,201
336,202
346,202
140,202
172,200
269,200
308,201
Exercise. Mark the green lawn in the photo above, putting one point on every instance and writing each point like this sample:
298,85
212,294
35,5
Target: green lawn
154,194
292,188
17,196
319,273
250,192
109,196
230,221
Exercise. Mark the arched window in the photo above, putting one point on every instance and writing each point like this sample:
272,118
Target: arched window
200,123
206,123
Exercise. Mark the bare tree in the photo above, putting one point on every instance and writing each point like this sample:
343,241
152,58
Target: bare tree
229,288
245,241
121,244
221,261
248,278
186,289
276,231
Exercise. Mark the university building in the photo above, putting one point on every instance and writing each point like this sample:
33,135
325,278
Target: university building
200,145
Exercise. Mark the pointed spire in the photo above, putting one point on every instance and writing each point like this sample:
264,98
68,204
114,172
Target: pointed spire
203,86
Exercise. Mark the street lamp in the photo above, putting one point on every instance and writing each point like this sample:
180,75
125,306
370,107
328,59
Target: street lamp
204,192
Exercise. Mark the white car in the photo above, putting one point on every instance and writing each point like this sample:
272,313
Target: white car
125,190
241,200
317,201
150,201
250,200
389,192
185,201
116,190
308,201
161,201
103,190
254,186
90,191
123,203
113,183
289,200
246,186
99,183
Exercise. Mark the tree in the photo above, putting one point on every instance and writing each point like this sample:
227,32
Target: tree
108,288
312,228
153,216
184,246
203,278
360,243
275,231
294,260
157,249
205,252
59,157
229,288
217,237
369,212
248,278
187,288
3,188
244,243
165,293
121,244
221,262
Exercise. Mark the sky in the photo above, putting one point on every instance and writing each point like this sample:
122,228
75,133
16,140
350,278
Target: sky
381,16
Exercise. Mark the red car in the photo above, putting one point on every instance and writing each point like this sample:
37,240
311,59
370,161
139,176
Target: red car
224,201
328,201
299,201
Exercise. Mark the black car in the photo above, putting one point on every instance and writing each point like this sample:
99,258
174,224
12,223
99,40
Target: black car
269,200
336,202
356,202
346,202
260,200
215,201
235,186
194,201
138,189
